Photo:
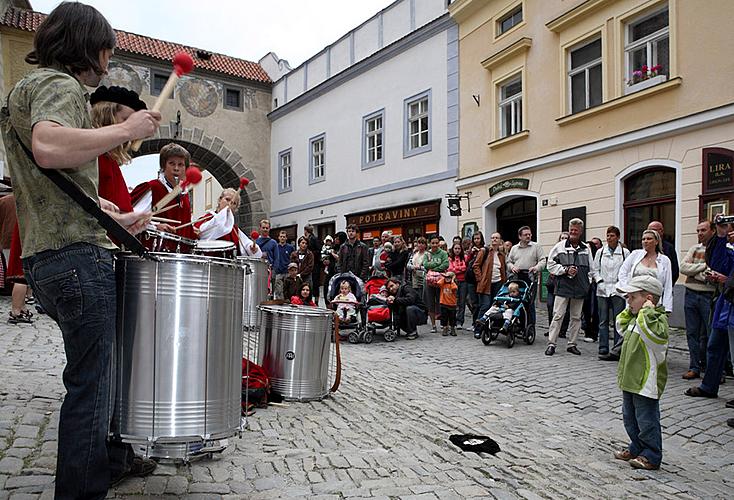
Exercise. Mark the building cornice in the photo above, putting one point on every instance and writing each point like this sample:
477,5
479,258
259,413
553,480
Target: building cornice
461,10
576,14
396,48
654,132
519,47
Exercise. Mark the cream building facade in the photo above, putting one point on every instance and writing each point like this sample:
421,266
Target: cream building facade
559,120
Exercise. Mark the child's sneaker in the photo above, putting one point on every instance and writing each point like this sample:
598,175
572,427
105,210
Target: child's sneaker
453,331
444,331
15,319
643,463
624,455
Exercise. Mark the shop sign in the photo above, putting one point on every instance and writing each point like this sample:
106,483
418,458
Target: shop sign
396,215
718,170
509,184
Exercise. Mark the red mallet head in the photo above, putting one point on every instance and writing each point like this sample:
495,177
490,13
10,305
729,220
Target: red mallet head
254,235
182,63
244,182
193,176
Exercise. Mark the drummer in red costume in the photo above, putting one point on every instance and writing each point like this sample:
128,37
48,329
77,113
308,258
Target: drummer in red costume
220,225
174,160
111,106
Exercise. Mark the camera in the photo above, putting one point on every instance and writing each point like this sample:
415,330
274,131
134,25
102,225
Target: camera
724,219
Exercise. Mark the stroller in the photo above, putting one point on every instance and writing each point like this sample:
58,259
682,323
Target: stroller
379,315
358,324
518,326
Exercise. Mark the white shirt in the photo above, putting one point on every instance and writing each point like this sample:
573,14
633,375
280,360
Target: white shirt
664,275
605,270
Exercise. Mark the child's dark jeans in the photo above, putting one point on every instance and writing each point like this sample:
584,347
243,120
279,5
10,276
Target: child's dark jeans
448,315
642,422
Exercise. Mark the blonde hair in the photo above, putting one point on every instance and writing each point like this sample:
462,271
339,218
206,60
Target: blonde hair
103,115
513,287
658,239
235,197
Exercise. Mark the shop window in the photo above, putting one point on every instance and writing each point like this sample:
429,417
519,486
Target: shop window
417,138
647,50
510,107
509,20
284,171
649,195
585,76
317,170
157,82
373,152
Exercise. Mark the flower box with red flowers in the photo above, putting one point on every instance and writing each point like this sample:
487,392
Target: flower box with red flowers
645,77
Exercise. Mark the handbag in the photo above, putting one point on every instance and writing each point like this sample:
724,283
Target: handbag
432,278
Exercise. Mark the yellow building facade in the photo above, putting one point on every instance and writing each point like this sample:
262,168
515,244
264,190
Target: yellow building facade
616,111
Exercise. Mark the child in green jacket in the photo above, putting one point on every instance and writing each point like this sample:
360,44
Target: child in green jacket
642,371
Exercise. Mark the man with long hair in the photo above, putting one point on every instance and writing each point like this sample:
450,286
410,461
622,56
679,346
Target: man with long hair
67,257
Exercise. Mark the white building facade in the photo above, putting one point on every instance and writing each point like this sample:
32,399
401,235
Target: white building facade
366,131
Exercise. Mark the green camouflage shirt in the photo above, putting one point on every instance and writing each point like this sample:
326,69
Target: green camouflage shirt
48,218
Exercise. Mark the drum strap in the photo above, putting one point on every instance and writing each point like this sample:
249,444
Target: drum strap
88,204
338,376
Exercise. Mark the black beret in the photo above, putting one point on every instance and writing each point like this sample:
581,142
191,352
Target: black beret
119,95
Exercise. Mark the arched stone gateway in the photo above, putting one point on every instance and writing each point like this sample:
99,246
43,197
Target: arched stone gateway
224,164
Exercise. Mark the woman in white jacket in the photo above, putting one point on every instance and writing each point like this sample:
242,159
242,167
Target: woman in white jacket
650,260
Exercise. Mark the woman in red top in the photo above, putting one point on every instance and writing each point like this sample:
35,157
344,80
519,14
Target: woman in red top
304,297
110,106
457,265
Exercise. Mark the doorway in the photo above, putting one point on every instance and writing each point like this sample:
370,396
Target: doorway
514,214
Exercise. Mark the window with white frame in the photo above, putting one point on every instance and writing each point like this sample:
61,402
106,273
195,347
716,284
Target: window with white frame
418,126
286,176
509,20
373,152
318,165
647,47
584,76
510,107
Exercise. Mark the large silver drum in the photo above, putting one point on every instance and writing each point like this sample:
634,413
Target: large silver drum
256,289
179,354
294,348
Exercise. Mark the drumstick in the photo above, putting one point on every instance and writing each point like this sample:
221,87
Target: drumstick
167,208
182,64
193,176
163,219
209,216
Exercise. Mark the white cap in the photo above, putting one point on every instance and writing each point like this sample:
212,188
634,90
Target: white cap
645,283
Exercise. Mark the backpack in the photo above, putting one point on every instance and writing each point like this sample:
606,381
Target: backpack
255,387
469,276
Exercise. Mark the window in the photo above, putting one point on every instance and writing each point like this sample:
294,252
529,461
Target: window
373,152
647,47
157,82
208,194
648,195
584,76
317,171
233,98
509,20
285,172
510,107
417,138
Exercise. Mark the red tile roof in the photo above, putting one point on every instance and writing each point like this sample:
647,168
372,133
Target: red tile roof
27,20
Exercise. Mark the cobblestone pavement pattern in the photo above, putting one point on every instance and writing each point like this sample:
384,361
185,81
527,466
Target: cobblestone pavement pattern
384,434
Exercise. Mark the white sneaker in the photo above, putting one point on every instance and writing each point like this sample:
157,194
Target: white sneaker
433,329
589,339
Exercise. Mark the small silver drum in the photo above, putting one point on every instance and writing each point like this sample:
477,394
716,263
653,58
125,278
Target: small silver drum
179,353
160,241
216,248
256,289
294,349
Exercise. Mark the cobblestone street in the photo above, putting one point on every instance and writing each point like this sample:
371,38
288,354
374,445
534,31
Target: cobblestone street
384,434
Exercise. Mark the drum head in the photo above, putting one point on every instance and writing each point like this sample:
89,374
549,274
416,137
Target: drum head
213,245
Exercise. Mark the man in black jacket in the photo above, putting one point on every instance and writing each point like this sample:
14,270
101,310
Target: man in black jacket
407,304
354,255
668,249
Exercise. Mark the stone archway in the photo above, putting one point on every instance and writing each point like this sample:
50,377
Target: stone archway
224,164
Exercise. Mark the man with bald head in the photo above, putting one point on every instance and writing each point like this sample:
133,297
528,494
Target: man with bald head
668,249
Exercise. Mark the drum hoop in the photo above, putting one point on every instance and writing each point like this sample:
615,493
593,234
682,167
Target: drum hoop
176,257
296,309
213,245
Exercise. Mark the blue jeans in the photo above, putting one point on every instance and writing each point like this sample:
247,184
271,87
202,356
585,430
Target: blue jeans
698,325
76,287
642,422
485,302
472,300
717,352
614,304
461,303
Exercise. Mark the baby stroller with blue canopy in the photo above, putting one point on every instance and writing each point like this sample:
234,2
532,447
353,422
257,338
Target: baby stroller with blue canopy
357,286
519,326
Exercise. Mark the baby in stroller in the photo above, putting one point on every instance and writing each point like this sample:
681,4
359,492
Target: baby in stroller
346,303
345,295
379,314
504,305
509,313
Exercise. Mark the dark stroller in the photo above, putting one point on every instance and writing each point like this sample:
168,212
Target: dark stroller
358,325
518,326
379,315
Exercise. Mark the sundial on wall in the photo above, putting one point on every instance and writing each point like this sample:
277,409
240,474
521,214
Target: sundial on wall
199,97
123,75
